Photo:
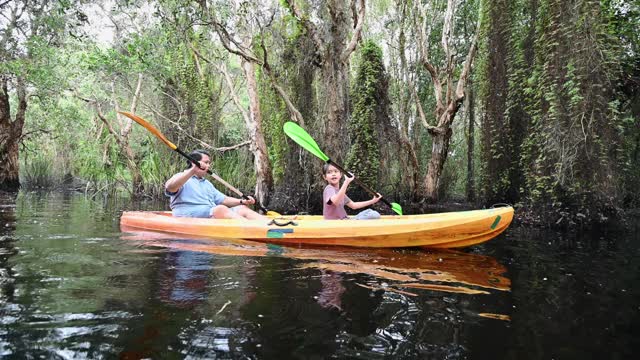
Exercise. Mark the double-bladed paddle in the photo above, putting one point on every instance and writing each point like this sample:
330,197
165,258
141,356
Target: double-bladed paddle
173,147
300,136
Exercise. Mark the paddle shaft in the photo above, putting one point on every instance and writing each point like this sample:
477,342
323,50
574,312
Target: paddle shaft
365,187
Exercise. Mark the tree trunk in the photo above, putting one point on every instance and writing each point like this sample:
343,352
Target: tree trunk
448,96
336,91
413,161
333,50
439,150
10,133
470,106
258,146
137,187
404,114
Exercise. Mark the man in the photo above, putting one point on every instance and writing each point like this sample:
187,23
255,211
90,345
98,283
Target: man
194,196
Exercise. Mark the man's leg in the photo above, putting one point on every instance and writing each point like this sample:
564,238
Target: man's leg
223,212
247,213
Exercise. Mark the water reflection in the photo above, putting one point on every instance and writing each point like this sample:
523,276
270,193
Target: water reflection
331,294
183,279
332,301
437,270
7,246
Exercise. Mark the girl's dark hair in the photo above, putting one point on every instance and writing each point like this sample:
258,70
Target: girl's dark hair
325,168
196,155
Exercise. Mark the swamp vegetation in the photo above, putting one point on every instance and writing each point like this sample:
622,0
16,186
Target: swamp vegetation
528,102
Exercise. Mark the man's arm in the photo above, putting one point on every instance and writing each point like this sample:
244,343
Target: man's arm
176,181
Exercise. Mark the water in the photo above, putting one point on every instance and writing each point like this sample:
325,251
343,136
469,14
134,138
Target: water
72,285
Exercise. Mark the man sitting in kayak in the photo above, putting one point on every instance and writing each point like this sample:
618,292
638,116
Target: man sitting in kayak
194,196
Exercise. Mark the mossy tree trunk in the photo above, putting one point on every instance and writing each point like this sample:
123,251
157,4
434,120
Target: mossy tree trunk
369,100
571,152
10,134
497,148
333,50
470,187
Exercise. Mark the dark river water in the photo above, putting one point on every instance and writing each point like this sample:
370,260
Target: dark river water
74,286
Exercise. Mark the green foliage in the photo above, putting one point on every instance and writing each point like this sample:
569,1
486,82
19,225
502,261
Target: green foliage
559,105
235,168
38,173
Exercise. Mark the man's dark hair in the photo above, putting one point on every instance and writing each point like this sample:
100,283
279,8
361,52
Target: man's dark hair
196,155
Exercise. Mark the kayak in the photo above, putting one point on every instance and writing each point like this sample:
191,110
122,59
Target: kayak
441,230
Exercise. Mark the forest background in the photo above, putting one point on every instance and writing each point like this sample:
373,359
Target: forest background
534,103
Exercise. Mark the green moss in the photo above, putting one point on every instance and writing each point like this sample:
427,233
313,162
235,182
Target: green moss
364,155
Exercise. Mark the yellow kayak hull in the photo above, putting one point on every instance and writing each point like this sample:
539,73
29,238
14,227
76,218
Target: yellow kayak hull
442,230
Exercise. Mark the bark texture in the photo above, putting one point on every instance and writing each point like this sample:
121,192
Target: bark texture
10,134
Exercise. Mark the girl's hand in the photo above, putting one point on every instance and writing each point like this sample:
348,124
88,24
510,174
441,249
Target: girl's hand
249,201
348,178
376,198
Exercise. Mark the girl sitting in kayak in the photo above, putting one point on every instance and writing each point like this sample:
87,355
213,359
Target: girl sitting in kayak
335,197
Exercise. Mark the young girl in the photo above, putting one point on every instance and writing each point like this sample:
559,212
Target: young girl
335,197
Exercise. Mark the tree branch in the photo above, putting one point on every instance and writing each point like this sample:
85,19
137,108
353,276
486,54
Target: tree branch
234,95
224,149
422,43
36,131
466,70
430,128
245,54
108,124
184,132
447,34
227,40
101,116
5,3
134,106
202,143
357,34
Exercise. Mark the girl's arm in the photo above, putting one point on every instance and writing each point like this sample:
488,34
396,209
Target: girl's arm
337,197
360,204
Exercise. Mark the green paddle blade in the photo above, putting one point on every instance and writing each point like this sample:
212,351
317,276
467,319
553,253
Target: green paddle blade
300,136
396,208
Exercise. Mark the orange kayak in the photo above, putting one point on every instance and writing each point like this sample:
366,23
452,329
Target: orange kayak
442,230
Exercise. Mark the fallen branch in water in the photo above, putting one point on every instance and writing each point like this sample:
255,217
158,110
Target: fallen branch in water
223,306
